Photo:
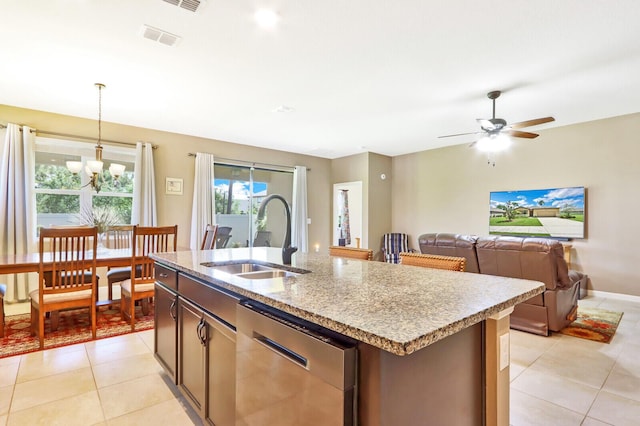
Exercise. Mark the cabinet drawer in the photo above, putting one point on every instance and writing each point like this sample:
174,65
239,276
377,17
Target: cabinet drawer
218,302
167,277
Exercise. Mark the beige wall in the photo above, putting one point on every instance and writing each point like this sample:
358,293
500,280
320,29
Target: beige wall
447,190
171,160
376,193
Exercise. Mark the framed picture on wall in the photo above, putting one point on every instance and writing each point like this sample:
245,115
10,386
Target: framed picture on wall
173,186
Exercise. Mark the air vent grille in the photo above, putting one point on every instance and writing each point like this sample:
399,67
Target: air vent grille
191,5
159,35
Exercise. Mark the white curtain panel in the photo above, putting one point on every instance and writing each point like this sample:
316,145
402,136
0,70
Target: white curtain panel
202,210
144,211
17,215
299,225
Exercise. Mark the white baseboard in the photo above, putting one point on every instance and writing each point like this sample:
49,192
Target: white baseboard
616,296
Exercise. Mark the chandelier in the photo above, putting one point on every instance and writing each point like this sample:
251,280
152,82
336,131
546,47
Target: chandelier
93,168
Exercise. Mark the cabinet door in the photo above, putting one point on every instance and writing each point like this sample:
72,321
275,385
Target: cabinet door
166,330
192,354
221,366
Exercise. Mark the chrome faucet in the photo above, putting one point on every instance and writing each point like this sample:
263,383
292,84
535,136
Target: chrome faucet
287,250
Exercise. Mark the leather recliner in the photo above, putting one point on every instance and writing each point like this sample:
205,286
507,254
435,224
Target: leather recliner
537,259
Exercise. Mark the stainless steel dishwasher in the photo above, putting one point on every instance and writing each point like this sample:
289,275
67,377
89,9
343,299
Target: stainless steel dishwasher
291,372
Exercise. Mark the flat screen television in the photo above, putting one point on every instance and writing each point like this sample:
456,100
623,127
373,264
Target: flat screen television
554,212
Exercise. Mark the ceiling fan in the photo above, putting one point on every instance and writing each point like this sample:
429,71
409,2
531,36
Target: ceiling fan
494,127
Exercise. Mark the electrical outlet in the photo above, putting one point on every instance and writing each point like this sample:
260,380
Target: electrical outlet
504,351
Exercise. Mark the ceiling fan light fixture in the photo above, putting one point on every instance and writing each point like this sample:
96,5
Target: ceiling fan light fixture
494,143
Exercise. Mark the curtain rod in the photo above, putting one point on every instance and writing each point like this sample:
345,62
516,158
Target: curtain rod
249,163
80,138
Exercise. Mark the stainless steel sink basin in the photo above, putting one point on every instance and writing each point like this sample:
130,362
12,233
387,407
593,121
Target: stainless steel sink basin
240,268
255,270
264,275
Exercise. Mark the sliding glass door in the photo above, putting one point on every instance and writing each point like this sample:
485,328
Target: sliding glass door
239,190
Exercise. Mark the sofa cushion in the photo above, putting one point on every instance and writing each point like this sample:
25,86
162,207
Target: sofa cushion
457,245
538,259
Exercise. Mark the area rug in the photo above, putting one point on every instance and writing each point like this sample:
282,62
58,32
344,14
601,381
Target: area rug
74,327
594,324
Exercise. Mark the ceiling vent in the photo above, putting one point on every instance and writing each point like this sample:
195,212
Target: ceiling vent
159,35
190,5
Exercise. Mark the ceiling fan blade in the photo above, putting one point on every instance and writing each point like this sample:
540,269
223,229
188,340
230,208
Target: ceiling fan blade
520,134
533,122
460,134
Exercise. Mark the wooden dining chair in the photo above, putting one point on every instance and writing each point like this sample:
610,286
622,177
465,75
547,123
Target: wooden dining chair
209,238
450,263
351,252
117,237
145,240
66,254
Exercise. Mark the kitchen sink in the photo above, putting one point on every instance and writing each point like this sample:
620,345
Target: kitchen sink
264,275
240,268
255,270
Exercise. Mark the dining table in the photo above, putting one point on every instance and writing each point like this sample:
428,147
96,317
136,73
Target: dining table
30,262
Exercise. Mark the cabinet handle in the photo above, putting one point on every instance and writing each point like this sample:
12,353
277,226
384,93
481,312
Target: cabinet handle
164,275
201,332
172,310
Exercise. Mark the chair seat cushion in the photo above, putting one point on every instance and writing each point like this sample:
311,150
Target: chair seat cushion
115,275
59,297
119,274
86,277
126,287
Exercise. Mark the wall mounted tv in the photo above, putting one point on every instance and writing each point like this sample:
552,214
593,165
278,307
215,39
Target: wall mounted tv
554,212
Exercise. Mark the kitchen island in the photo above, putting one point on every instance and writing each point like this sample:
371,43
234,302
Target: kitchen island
433,346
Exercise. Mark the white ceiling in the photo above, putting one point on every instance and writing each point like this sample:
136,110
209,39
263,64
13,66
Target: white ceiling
361,75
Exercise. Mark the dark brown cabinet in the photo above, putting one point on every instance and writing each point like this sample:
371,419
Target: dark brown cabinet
206,358
166,325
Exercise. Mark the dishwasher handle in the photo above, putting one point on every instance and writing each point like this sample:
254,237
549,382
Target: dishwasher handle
281,349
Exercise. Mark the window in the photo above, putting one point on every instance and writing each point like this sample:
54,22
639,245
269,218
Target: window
63,198
239,190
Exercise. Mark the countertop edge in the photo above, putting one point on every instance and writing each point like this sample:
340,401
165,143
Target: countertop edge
394,347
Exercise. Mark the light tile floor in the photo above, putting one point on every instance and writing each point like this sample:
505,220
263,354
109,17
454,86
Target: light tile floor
563,380
556,380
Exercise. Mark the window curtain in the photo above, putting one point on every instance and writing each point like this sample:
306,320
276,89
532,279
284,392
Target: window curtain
144,211
203,207
299,221
17,215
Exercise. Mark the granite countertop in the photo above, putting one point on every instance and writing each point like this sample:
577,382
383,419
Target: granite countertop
397,308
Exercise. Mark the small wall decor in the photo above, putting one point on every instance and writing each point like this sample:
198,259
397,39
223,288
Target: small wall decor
173,186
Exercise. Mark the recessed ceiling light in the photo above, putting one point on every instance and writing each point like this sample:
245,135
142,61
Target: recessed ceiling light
283,108
266,18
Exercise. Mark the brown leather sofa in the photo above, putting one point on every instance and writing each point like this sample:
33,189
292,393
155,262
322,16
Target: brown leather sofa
538,259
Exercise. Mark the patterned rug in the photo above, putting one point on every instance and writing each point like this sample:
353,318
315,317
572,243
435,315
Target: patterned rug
594,324
74,327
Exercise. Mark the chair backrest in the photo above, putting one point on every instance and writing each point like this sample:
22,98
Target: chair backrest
224,234
147,240
119,236
263,239
450,263
65,255
393,244
209,238
352,252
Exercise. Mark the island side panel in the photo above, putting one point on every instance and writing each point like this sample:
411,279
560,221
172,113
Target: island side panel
440,384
